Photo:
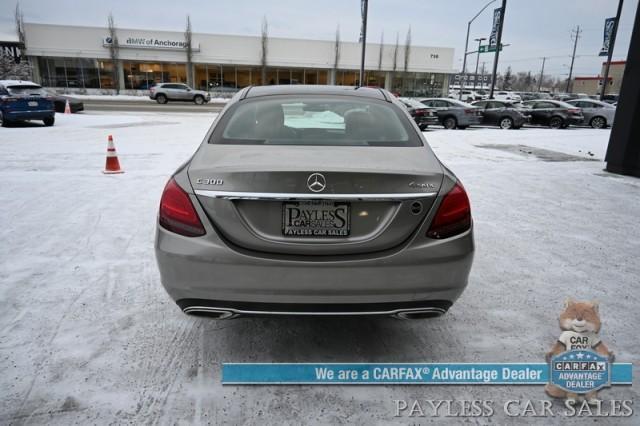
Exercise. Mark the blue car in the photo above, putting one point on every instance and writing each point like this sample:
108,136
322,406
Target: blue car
24,100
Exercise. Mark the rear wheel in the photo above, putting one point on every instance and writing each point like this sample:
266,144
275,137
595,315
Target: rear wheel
462,127
556,122
49,121
506,123
450,123
598,122
161,99
198,99
3,122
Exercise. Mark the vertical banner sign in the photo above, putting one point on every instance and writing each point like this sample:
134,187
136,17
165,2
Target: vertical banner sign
608,31
493,38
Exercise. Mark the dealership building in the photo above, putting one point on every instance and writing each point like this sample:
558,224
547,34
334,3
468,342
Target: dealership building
78,58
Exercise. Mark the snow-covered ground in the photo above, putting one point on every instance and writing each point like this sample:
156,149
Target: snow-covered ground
88,336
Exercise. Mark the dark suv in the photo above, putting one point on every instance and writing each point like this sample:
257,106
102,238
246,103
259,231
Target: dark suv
24,100
165,92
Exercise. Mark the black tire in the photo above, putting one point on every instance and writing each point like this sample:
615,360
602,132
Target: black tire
198,100
3,122
49,121
450,123
506,123
423,127
598,122
462,127
556,122
161,99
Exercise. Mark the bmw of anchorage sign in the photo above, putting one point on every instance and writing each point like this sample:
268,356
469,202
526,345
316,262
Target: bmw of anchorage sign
150,43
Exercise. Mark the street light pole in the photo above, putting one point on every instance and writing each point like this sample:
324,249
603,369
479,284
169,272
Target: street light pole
365,4
466,47
475,76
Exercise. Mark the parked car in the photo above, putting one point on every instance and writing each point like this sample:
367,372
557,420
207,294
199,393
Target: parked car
24,100
422,115
597,114
60,102
165,92
611,98
277,213
503,95
552,113
502,114
467,95
564,97
453,113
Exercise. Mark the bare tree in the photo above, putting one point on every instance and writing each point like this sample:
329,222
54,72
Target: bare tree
19,22
407,50
264,47
336,51
10,69
15,65
188,38
395,54
381,50
114,52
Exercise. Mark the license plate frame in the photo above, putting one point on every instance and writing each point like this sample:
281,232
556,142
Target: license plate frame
311,222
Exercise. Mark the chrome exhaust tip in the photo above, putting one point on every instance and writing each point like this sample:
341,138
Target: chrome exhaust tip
420,313
216,313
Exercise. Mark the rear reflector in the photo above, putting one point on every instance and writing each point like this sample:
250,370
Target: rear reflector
453,216
177,214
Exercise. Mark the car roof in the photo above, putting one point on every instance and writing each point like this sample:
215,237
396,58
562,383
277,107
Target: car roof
8,83
304,89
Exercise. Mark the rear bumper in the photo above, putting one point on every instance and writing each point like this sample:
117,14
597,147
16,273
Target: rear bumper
575,120
27,115
427,121
215,275
466,120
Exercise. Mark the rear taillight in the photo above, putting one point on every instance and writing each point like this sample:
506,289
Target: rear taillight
470,111
575,110
419,112
177,214
453,216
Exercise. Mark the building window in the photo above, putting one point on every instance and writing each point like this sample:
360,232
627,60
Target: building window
76,73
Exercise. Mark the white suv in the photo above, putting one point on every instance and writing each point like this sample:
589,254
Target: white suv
503,95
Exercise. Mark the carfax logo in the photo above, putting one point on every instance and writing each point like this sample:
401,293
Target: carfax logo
580,372
579,362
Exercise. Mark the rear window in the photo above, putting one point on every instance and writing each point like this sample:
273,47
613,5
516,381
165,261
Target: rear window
26,90
315,120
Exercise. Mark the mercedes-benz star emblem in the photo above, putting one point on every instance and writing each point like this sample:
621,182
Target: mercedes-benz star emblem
316,182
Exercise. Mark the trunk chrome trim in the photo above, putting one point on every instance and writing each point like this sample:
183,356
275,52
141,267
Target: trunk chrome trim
229,195
229,313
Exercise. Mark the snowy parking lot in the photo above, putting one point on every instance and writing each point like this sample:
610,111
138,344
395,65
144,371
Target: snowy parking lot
88,335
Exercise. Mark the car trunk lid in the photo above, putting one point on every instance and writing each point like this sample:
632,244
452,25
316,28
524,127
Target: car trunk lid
315,200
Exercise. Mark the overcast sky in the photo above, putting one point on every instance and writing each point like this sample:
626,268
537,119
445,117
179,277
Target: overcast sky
533,28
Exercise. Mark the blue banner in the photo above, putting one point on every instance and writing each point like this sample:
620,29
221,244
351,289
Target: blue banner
405,373
608,31
493,38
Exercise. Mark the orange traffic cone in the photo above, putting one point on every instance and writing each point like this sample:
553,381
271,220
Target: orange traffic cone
67,107
113,165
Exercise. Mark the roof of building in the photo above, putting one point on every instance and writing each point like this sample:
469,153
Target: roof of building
302,89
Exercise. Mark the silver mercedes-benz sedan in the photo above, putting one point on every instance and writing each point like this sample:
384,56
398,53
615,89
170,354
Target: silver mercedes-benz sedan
314,200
